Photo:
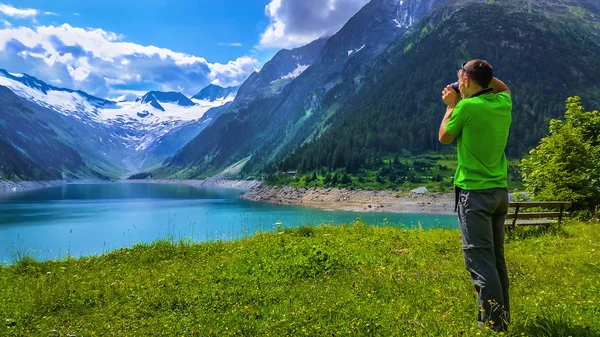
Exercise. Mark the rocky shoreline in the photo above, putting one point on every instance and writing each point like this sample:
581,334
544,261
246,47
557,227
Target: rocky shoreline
355,200
9,186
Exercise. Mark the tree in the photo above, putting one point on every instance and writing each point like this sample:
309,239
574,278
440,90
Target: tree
327,179
379,179
345,179
334,180
566,164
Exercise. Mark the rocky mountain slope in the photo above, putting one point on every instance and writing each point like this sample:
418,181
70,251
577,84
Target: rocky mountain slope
274,114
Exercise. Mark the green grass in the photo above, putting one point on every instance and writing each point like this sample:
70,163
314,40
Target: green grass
352,280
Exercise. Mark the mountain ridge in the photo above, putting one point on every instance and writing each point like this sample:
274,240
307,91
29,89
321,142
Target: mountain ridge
214,92
44,87
155,97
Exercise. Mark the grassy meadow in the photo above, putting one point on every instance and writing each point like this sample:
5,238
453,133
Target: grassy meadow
350,280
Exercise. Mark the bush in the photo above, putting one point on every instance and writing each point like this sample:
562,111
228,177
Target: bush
566,164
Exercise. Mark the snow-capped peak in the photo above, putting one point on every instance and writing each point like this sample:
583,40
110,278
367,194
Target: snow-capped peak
138,123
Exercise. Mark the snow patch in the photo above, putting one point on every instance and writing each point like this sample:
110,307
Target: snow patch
405,21
15,74
65,103
355,50
299,70
19,148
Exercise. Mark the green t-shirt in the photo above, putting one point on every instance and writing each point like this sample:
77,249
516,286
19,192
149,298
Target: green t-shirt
481,126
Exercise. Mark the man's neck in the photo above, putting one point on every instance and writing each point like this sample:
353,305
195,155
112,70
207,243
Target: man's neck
473,91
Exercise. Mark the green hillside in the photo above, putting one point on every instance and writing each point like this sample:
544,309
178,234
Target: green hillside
33,143
545,54
357,111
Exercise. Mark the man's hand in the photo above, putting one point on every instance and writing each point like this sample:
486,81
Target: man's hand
450,97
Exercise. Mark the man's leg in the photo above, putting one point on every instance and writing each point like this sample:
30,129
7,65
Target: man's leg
475,212
498,226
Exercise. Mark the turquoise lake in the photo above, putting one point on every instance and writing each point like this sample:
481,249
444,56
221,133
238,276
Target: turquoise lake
88,219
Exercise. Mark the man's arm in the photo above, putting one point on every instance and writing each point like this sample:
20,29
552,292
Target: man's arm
451,98
499,86
445,136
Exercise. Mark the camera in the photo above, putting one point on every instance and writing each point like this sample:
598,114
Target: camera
455,86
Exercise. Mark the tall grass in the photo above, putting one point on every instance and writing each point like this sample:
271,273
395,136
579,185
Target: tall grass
350,280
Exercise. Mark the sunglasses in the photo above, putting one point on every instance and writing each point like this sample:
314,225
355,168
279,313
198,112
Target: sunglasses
464,71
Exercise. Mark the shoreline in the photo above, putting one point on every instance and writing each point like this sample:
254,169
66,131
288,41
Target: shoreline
211,182
332,199
23,186
354,200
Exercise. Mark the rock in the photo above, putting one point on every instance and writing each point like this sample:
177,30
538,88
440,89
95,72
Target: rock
420,190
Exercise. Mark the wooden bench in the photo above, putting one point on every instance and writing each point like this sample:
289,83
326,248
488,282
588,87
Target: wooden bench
540,218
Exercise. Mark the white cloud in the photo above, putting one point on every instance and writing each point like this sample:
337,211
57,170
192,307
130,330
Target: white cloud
234,44
295,23
9,10
128,95
101,63
240,68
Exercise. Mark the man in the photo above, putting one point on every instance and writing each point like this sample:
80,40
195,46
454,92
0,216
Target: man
480,119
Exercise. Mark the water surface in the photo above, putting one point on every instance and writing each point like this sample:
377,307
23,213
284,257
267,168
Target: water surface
89,219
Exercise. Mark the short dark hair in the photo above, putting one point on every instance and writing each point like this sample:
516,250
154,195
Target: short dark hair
480,71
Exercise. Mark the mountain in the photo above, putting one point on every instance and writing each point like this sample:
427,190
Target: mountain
155,97
43,87
544,50
166,145
279,108
214,92
115,137
374,88
285,65
368,92
31,147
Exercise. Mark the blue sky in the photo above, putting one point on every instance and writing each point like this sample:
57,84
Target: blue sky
114,48
193,27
